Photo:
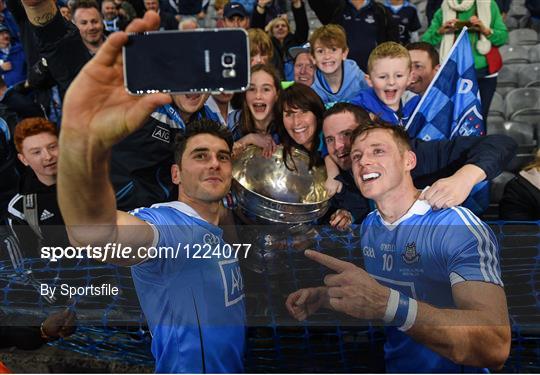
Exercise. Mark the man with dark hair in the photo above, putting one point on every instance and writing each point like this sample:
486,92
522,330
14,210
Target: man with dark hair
432,277
195,303
452,167
88,19
425,65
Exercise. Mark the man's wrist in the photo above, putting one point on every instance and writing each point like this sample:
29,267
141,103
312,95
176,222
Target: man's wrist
400,311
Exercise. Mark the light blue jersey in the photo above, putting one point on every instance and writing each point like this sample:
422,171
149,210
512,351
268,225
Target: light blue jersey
422,255
352,83
194,306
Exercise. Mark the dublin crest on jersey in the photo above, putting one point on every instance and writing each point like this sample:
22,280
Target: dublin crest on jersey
410,255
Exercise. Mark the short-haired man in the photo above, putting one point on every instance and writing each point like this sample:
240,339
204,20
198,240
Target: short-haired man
425,65
235,15
304,64
432,276
451,168
197,304
112,20
88,19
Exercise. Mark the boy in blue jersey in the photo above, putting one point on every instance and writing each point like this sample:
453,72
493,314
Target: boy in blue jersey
432,276
194,305
389,74
406,17
337,79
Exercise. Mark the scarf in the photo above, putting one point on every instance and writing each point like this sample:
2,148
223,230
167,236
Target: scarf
450,9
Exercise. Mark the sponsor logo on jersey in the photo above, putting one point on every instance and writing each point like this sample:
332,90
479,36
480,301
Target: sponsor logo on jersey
410,255
369,19
211,239
233,282
162,134
46,215
389,247
368,252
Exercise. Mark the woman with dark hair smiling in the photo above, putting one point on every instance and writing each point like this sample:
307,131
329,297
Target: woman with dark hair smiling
302,110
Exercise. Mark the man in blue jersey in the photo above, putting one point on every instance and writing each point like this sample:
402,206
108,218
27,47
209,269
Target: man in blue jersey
432,276
193,303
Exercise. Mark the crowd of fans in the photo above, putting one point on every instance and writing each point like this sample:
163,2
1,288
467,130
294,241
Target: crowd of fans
367,54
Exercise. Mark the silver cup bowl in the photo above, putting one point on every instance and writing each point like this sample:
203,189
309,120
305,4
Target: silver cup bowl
268,190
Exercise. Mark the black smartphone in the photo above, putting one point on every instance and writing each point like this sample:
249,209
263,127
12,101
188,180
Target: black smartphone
179,62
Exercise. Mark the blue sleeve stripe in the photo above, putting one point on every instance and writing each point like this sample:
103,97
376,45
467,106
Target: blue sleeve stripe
484,247
492,248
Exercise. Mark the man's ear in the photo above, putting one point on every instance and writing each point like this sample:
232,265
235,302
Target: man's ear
345,53
437,67
368,80
175,174
410,160
23,159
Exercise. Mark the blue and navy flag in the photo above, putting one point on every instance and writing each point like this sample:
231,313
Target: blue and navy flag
451,107
451,104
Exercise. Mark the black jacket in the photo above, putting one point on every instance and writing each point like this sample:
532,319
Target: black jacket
436,160
366,28
48,213
520,201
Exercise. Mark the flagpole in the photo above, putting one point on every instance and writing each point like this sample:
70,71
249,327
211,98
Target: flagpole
454,46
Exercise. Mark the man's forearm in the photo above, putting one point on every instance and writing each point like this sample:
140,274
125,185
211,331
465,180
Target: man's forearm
40,12
467,337
85,193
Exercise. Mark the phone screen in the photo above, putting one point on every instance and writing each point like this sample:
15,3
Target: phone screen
187,61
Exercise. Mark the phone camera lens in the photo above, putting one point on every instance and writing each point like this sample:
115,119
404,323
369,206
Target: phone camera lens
228,60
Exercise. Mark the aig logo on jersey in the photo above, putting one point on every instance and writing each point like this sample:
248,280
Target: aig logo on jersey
410,255
233,282
162,134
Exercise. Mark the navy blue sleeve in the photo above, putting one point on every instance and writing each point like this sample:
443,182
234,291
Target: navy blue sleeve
328,11
414,21
301,23
439,159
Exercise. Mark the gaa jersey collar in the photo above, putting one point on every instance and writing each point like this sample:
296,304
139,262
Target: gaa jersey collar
420,207
182,207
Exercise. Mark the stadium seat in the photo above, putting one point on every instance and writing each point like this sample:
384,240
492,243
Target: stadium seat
497,107
523,37
507,80
529,74
523,99
518,17
514,54
522,133
534,53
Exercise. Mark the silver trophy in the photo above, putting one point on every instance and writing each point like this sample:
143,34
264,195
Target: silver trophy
277,205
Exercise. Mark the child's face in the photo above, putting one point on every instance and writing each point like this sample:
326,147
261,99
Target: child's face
389,78
329,59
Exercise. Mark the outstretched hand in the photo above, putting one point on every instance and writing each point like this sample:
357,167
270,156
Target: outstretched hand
97,105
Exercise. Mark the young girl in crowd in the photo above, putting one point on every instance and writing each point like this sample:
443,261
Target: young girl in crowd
254,124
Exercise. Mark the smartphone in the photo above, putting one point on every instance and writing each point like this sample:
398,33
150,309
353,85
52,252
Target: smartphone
461,24
179,62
